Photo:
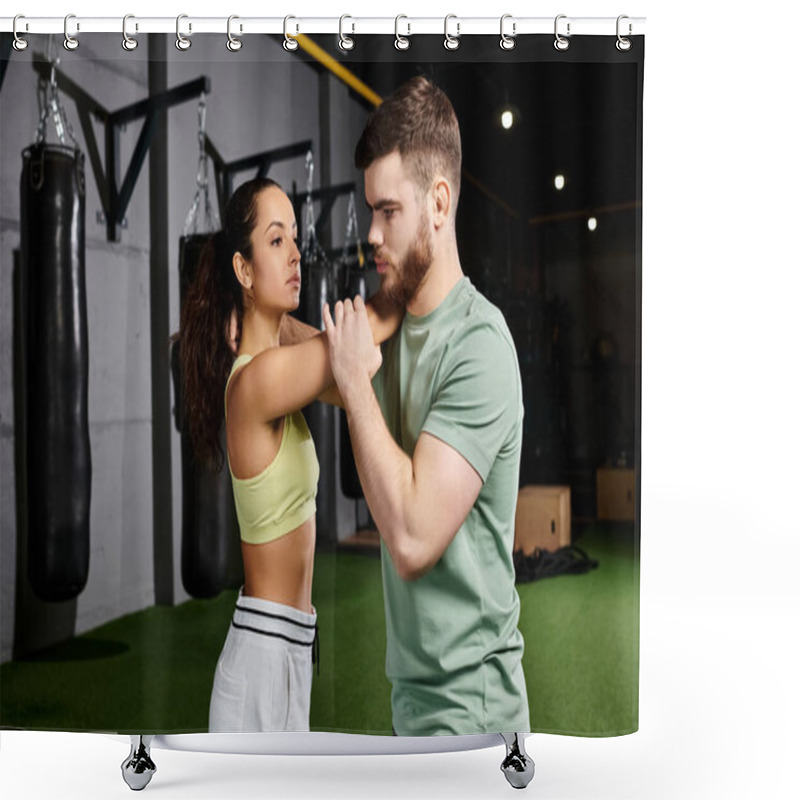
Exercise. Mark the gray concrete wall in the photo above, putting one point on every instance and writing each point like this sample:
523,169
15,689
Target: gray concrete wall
260,98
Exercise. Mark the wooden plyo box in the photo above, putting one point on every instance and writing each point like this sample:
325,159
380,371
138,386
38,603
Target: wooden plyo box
543,518
616,493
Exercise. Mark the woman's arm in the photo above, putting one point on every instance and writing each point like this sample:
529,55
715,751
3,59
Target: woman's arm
384,319
280,380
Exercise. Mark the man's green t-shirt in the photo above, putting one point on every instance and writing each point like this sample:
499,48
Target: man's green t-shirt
454,652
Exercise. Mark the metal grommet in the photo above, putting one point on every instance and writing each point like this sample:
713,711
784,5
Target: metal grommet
19,43
70,42
451,42
561,42
623,44
181,42
128,42
346,43
289,43
233,44
507,42
401,42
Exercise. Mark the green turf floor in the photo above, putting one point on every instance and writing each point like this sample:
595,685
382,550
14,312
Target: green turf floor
153,670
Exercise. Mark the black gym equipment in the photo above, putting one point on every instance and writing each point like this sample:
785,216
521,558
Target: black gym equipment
209,515
209,528
353,281
316,290
59,463
58,455
319,286
52,187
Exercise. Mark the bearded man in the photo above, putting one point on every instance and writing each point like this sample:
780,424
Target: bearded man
437,435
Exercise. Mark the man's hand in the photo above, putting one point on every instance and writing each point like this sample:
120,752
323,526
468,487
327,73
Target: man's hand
354,357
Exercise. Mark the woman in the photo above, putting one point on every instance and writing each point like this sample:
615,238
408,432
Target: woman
247,280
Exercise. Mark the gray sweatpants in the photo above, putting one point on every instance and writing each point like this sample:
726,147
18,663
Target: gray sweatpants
263,676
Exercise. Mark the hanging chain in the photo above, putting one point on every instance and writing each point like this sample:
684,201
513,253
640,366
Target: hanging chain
190,226
310,246
50,105
351,237
309,233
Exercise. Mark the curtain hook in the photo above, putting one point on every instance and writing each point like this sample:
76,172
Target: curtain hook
401,42
507,42
19,43
451,42
623,44
181,42
346,43
70,42
128,42
233,44
561,42
289,42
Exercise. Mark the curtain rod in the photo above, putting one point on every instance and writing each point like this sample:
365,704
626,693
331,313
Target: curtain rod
347,25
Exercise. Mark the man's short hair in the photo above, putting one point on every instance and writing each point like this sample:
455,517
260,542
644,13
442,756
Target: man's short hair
417,120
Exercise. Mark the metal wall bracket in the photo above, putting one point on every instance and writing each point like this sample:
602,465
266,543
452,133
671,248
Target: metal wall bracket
224,171
327,197
115,195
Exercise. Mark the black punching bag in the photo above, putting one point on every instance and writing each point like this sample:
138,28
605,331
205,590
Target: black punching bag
209,516
355,282
321,417
58,455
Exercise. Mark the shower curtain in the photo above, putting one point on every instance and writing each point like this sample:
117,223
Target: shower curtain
121,564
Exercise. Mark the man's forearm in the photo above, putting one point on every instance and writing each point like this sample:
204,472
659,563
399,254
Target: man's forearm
387,478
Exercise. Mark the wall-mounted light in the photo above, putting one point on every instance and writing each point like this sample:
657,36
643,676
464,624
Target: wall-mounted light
508,116
559,182
591,223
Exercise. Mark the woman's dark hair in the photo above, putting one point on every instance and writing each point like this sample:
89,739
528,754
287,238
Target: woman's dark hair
212,296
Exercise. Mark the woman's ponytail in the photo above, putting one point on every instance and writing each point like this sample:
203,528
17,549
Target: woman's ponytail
213,298
205,354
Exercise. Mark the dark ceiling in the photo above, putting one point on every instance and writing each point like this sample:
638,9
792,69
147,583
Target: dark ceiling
577,115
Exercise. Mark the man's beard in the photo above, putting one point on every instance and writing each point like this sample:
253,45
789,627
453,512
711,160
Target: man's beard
410,274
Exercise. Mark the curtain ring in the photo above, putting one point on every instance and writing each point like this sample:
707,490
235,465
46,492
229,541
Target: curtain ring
182,43
507,42
623,44
128,42
70,42
401,42
561,42
346,43
289,43
233,44
451,42
19,43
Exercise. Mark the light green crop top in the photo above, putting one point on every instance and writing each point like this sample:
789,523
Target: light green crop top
283,496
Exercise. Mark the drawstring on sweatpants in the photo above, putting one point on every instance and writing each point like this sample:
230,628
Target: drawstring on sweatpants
315,648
